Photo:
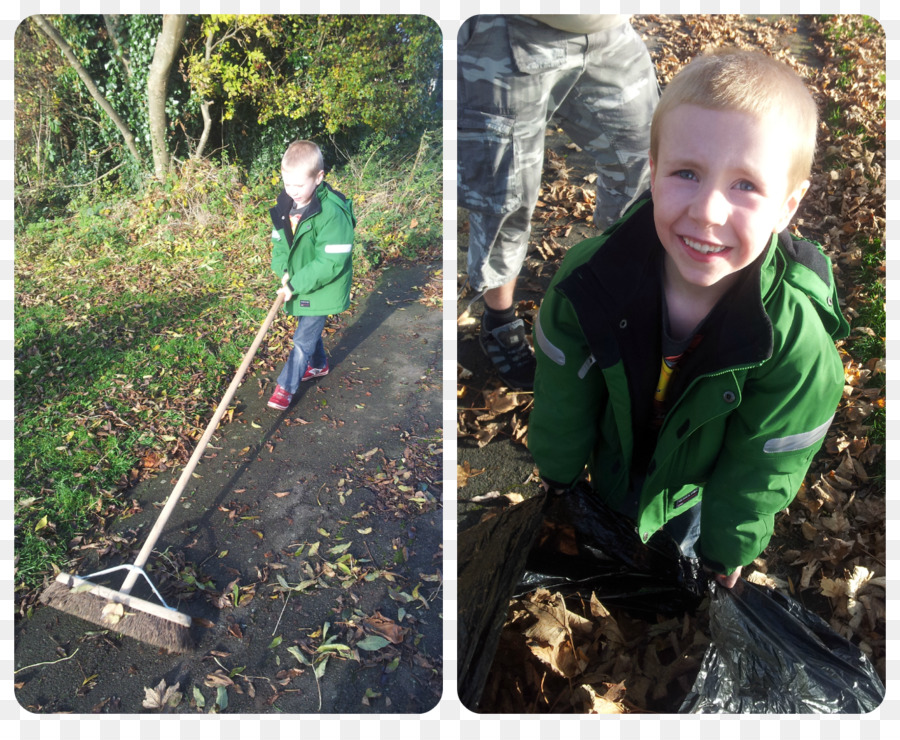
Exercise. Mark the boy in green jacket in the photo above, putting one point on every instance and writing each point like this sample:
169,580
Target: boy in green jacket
312,249
686,356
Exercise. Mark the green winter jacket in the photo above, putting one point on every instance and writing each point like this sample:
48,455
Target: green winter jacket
318,257
750,407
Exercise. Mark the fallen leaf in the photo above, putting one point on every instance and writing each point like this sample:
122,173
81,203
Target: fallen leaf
199,700
384,627
217,679
222,698
464,472
161,696
372,643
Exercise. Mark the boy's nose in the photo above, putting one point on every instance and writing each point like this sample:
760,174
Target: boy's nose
709,207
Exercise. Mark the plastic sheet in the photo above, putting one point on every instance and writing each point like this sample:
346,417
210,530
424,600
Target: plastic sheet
768,654
512,553
490,559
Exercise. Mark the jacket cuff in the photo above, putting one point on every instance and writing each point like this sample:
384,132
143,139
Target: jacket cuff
711,564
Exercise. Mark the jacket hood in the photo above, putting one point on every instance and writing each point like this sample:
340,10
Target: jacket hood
326,191
805,267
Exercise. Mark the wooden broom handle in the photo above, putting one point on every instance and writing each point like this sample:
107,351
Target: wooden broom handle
144,554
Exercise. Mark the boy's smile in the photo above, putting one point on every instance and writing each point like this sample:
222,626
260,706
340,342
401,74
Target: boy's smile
300,184
720,190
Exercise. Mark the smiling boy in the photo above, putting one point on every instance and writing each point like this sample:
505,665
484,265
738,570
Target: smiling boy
312,249
686,356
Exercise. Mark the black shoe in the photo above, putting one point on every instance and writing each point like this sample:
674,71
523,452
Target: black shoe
509,351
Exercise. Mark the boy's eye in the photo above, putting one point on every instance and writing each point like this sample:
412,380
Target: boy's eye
747,186
686,174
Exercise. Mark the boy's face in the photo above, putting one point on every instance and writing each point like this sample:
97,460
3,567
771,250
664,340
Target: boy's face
720,189
300,183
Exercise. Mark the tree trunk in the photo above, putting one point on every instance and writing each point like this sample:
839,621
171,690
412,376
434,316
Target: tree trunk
205,105
167,44
113,23
89,83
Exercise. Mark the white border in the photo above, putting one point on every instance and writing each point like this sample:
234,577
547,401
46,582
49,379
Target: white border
449,719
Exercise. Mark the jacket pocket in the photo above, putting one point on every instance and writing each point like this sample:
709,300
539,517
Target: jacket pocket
488,181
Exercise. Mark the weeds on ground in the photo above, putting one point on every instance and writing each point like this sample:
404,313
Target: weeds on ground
855,118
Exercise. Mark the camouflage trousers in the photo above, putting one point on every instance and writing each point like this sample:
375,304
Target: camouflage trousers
513,75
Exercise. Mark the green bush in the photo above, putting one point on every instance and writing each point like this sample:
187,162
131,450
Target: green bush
399,202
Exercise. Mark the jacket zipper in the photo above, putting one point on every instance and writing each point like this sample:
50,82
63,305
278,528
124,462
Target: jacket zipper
588,364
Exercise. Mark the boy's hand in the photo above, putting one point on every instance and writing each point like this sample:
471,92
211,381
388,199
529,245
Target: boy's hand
285,289
729,581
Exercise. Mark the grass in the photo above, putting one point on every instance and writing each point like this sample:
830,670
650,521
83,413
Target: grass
398,216
871,309
132,315
871,315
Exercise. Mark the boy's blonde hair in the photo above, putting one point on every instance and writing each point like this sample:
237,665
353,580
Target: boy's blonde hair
751,82
303,154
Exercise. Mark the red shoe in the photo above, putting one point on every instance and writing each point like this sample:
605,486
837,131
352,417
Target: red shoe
280,399
315,372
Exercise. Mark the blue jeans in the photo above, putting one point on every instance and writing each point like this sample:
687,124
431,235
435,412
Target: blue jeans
685,530
308,350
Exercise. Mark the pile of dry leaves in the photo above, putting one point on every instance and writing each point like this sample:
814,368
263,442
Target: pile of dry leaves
585,658
828,551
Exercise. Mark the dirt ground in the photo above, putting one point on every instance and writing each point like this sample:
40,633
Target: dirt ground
308,552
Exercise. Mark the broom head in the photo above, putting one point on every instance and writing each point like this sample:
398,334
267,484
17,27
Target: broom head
143,620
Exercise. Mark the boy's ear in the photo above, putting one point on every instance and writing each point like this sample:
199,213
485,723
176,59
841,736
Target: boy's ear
320,176
791,204
652,172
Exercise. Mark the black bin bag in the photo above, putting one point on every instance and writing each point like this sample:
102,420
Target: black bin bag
769,654
807,668
505,556
608,558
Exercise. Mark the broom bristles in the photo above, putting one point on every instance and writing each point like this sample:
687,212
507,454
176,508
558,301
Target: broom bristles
142,620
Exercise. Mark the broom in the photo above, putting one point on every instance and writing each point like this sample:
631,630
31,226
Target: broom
160,625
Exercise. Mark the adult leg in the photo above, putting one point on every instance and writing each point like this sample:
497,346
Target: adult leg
608,115
512,74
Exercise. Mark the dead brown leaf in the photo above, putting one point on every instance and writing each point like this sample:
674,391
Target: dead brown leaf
464,472
218,678
387,628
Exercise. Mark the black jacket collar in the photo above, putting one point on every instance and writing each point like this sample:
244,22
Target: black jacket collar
280,214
